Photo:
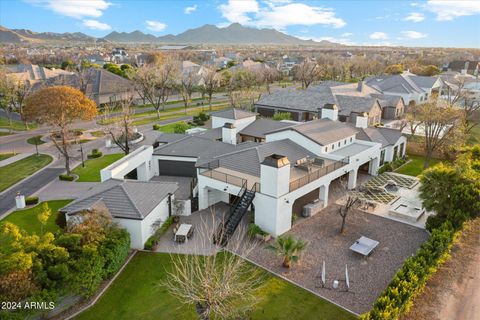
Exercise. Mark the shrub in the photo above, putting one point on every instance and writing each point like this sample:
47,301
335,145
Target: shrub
31,200
114,250
155,238
156,126
61,220
180,127
66,177
282,116
253,230
95,154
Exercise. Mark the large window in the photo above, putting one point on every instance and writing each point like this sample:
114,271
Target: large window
382,157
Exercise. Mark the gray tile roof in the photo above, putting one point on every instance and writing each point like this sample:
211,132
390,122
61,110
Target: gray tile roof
385,136
124,199
349,104
248,160
424,82
323,131
234,114
297,99
401,83
195,147
170,137
387,100
259,127
212,134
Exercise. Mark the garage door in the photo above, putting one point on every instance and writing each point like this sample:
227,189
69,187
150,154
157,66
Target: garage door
177,168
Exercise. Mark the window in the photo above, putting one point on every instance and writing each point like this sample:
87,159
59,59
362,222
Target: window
333,146
326,149
345,141
382,157
351,139
339,144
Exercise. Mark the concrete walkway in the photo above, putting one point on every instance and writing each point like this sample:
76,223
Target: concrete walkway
17,157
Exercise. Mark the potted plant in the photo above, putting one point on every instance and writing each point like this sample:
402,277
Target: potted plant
289,248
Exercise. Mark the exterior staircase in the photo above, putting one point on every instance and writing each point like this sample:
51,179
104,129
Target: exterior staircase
238,209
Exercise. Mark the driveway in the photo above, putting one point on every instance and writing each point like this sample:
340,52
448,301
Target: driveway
28,187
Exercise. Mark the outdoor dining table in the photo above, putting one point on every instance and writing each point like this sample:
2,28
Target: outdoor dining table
183,231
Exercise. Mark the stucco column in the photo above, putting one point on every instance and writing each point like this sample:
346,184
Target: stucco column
323,196
142,172
202,197
373,166
352,179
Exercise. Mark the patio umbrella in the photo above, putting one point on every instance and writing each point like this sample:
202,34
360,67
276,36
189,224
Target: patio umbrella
323,274
347,280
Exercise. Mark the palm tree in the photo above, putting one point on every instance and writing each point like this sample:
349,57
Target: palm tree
288,247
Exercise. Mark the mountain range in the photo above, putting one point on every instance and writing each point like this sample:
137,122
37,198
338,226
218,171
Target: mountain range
206,34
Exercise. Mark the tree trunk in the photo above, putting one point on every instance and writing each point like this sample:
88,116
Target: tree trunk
127,147
202,311
428,157
343,224
65,151
158,112
286,262
210,102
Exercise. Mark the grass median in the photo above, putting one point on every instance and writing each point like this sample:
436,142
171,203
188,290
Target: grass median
19,170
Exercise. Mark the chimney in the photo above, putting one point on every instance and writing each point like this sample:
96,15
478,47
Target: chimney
361,121
329,111
275,175
360,86
229,133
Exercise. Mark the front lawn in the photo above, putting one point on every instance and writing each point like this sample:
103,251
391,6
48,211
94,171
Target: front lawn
91,172
14,172
27,219
414,166
170,128
137,294
16,125
36,140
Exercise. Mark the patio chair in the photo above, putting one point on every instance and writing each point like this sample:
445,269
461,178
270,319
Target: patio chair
181,239
190,232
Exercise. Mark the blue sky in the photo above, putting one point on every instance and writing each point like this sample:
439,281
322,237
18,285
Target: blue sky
444,23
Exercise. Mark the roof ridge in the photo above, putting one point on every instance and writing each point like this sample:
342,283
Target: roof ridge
130,199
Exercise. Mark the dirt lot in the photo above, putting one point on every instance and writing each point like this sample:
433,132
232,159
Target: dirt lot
453,292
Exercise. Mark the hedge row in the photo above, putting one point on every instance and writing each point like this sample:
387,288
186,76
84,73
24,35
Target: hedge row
409,281
155,238
391,166
95,154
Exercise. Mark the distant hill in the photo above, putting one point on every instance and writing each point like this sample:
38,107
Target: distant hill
206,34
24,35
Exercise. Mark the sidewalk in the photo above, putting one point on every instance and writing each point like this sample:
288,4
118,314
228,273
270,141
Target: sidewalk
15,158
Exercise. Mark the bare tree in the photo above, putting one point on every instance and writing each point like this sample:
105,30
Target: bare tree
220,286
154,83
466,100
189,82
211,83
440,123
267,76
350,203
117,122
7,95
307,72
22,90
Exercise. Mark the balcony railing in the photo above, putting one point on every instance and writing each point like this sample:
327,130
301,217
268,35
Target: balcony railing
224,177
316,174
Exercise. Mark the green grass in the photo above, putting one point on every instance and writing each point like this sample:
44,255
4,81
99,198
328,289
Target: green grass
14,172
5,133
415,165
169,128
36,140
16,125
177,115
137,294
91,172
4,156
97,134
27,219
474,136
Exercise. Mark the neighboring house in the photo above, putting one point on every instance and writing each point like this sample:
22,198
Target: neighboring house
349,99
413,89
33,74
139,207
463,67
394,144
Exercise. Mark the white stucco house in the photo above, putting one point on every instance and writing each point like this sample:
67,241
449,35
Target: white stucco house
286,165
139,207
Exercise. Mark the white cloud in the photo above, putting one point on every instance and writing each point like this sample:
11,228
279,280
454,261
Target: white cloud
155,25
237,11
379,36
97,25
450,9
190,9
278,15
347,34
413,34
74,8
415,17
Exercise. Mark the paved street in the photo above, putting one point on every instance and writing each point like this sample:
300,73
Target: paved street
28,187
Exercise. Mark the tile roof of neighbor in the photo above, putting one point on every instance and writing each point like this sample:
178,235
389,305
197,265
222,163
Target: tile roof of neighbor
348,104
259,127
310,99
385,136
387,100
170,137
194,147
424,82
233,114
323,131
401,83
248,160
124,199
212,134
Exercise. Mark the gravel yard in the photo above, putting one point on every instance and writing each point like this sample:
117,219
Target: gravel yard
368,276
